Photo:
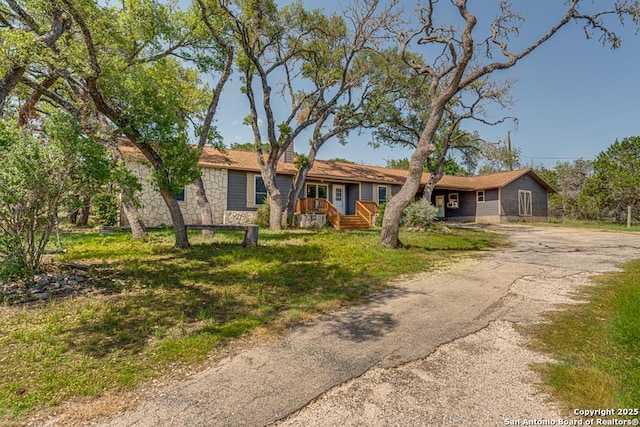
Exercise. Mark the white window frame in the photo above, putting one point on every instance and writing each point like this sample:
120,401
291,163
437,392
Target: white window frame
317,186
251,190
524,208
480,196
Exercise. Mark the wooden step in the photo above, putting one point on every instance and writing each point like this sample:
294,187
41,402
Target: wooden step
353,222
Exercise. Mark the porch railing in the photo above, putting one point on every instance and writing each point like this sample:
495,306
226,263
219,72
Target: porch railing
367,210
308,205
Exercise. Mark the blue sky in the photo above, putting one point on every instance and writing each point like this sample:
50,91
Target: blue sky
573,97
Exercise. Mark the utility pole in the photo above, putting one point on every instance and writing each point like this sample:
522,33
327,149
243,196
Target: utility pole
509,150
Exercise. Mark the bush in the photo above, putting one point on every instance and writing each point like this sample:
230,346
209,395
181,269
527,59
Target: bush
420,213
263,214
380,215
34,177
105,206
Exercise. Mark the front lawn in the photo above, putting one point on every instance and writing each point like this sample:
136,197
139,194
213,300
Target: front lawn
596,345
152,308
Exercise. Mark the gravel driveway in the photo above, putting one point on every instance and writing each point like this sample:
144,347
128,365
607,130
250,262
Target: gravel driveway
437,350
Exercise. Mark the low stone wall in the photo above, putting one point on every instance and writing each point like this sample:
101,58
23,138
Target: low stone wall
310,220
239,217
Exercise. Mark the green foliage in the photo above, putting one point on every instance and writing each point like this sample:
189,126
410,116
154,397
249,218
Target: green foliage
105,207
420,213
616,180
451,166
341,160
263,214
35,176
380,216
500,158
250,146
569,180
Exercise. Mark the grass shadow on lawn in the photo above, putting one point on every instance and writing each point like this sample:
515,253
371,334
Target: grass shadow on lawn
155,306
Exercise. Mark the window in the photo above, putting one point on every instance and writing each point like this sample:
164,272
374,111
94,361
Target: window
383,193
180,195
317,191
480,196
452,201
338,195
525,205
261,191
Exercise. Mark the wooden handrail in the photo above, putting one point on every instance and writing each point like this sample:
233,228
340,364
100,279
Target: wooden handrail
333,215
307,205
367,210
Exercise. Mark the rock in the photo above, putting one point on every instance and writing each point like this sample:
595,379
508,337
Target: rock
41,295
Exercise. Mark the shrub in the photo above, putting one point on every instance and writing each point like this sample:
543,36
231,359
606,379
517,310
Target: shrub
263,214
34,177
420,213
380,215
105,206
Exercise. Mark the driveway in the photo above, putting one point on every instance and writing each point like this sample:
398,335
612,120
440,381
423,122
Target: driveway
438,349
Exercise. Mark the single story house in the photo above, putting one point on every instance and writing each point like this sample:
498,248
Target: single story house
346,195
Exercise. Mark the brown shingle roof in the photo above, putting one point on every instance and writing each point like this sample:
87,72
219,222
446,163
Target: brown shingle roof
348,172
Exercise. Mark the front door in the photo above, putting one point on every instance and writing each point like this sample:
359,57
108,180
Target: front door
440,206
338,197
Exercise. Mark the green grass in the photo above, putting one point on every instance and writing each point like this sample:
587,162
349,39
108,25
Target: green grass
596,345
155,307
610,226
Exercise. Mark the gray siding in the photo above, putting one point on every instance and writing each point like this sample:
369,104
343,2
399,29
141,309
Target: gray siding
353,194
237,190
366,191
491,203
285,183
509,200
466,204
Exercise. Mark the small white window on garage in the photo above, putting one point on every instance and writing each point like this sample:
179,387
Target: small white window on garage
480,196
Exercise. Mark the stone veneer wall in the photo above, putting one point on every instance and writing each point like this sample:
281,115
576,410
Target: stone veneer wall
239,217
154,211
310,220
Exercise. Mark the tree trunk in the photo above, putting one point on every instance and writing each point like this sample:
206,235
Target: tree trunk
179,228
73,217
430,185
275,197
275,213
84,211
138,229
206,214
296,189
389,237
11,78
